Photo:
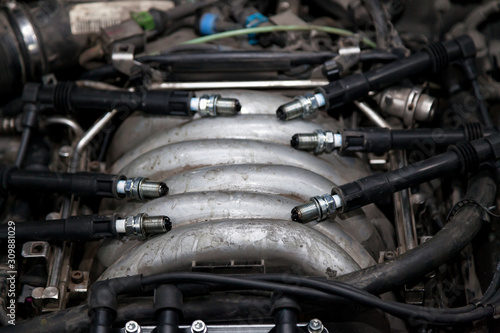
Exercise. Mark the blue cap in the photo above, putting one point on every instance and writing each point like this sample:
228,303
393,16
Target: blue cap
207,23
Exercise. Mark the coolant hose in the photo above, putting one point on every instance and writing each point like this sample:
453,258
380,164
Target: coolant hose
456,234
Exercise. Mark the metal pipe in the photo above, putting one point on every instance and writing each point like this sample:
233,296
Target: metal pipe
403,212
372,115
55,267
239,84
77,130
87,137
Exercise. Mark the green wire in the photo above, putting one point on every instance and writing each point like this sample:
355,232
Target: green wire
273,28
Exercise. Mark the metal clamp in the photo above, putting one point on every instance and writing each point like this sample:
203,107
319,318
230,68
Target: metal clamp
123,60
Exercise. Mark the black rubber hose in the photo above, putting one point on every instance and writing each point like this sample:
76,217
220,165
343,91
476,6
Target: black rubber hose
380,21
102,321
137,284
326,286
456,234
482,107
493,287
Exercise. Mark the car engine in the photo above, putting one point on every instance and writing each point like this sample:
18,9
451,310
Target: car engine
281,166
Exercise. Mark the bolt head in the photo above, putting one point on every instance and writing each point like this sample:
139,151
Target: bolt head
315,326
132,327
198,326
389,255
65,152
77,277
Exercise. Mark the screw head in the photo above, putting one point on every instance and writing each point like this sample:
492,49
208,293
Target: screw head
315,326
198,326
77,277
65,152
132,327
389,255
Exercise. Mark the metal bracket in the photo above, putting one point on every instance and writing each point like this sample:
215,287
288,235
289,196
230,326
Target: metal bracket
123,60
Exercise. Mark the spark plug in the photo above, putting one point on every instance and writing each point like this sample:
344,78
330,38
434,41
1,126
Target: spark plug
70,97
213,105
318,209
433,59
143,225
300,107
87,184
141,188
382,140
320,141
463,157
90,227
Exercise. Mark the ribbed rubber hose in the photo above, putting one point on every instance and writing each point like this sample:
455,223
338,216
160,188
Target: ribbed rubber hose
456,234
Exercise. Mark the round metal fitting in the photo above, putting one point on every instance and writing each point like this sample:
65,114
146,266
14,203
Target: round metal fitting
77,277
309,104
132,188
411,106
325,205
133,225
198,326
326,141
315,326
206,106
65,152
132,327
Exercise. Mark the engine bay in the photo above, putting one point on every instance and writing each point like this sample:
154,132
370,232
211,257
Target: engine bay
248,166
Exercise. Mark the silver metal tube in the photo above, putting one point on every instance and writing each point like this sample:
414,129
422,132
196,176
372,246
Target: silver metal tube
55,267
77,130
87,137
405,221
372,114
97,85
240,84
